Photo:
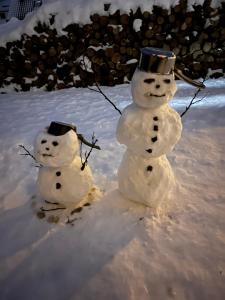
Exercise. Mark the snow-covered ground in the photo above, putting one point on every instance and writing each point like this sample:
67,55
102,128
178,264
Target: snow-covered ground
116,249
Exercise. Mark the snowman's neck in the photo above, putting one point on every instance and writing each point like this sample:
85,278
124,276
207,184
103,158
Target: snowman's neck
161,107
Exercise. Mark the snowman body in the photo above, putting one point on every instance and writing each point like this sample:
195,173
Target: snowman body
149,132
60,177
145,180
149,128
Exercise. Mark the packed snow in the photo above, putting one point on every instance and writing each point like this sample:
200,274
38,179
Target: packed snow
150,129
62,178
74,11
116,249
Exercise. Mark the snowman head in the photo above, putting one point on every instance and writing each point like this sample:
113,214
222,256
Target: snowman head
153,83
57,145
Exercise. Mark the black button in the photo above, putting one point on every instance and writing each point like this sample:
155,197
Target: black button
149,168
155,128
154,139
155,118
149,150
58,173
58,185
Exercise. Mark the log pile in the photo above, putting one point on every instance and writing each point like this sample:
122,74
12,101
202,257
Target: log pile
107,50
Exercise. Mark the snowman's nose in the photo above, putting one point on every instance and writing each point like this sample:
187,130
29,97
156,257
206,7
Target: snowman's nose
47,149
157,86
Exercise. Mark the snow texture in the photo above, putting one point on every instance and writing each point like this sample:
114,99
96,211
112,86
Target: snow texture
137,24
116,248
146,181
78,11
142,129
60,177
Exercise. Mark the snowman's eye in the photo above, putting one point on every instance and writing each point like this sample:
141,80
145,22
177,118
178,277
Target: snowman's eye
167,81
55,143
149,80
43,141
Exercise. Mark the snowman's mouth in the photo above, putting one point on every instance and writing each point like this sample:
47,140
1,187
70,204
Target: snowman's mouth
47,155
153,95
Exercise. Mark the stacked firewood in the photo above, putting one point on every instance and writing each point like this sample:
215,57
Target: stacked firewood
107,50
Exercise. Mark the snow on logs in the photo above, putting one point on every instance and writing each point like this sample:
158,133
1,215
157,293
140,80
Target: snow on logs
107,49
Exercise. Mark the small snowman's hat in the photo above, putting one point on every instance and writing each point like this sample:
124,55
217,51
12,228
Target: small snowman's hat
59,128
160,61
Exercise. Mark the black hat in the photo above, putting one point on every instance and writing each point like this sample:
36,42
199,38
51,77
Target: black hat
59,128
157,60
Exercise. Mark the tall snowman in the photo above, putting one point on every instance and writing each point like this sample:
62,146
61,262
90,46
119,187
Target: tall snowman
149,128
61,178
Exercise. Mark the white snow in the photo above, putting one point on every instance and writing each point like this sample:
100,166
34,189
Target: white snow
85,63
137,24
116,249
78,11
132,61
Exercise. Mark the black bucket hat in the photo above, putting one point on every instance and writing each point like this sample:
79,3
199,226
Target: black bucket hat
160,61
59,128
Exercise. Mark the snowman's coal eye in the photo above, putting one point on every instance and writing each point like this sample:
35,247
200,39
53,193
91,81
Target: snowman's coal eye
55,143
167,81
149,80
43,141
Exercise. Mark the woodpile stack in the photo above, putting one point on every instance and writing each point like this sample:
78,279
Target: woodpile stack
107,50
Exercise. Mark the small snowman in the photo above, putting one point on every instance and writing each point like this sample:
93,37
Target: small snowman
61,178
149,128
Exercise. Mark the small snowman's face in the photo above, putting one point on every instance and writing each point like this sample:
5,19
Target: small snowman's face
151,90
56,151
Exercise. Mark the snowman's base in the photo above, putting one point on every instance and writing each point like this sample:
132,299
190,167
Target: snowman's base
160,210
146,181
55,212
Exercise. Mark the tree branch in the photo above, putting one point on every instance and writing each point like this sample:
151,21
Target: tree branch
192,102
99,90
51,209
84,141
27,153
94,141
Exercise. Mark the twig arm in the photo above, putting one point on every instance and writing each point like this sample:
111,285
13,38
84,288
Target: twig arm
99,90
192,102
27,153
94,141
84,141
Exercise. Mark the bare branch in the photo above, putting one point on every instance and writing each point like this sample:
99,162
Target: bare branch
192,102
27,153
70,221
94,141
199,100
48,202
81,159
83,140
99,90
51,209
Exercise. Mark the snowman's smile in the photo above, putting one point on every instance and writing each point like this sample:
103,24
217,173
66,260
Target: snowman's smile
149,94
47,155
